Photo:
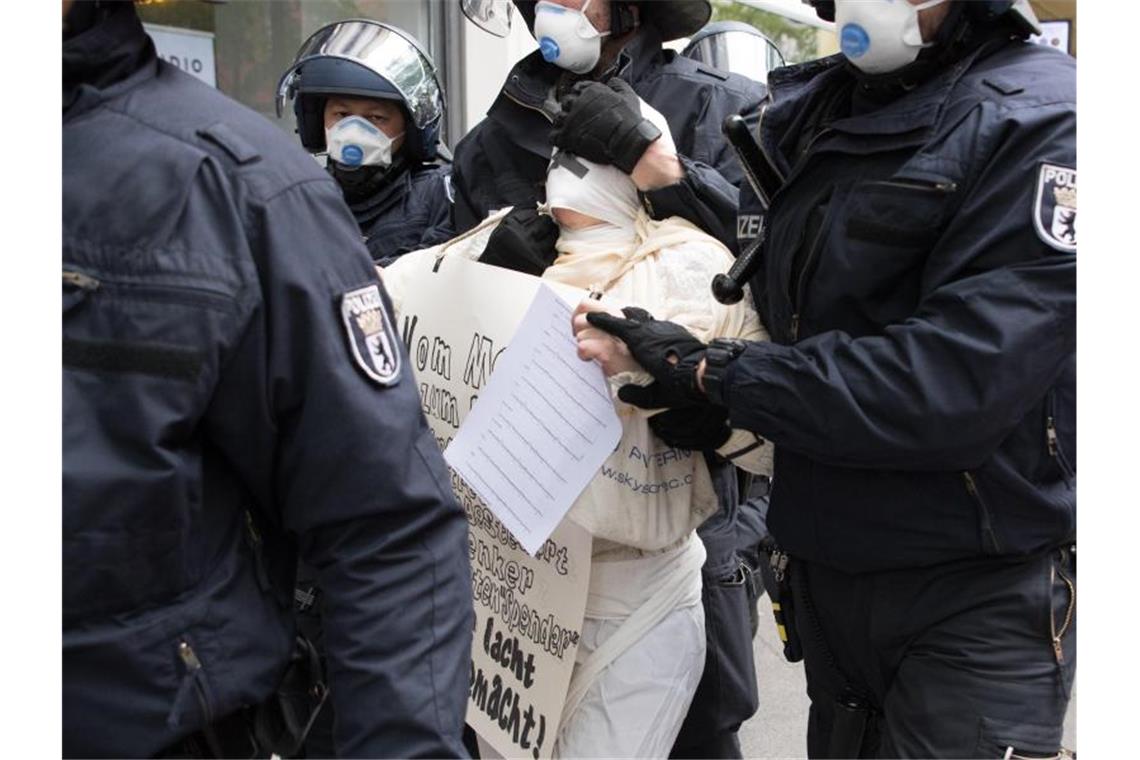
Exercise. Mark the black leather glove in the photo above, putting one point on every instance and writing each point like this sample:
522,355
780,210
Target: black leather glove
699,427
523,241
602,122
652,343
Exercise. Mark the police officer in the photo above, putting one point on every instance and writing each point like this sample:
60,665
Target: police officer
368,95
577,92
234,393
918,277
583,46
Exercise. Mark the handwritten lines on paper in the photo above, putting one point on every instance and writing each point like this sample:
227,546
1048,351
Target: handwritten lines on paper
542,427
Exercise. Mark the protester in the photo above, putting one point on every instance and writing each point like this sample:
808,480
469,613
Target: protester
580,92
921,381
234,394
368,95
642,652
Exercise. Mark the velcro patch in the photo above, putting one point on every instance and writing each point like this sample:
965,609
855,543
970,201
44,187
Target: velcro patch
370,334
1055,207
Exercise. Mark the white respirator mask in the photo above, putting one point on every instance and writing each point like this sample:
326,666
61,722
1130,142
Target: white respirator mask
566,37
354,141
880,36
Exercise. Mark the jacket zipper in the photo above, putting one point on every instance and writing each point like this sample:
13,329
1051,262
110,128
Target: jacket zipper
194,669
253,539
1052,441
1056,634
942,187
80,280
987,522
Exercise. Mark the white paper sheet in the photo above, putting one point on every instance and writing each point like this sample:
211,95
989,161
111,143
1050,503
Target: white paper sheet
541,428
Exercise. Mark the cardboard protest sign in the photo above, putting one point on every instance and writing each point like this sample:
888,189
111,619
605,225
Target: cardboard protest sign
456,319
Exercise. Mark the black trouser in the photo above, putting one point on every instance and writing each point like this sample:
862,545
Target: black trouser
956,660
726,695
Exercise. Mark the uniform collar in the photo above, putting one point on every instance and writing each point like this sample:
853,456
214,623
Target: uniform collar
104,57
795,88
394,186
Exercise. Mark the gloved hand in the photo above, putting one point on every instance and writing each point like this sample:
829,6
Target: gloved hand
602,122
699,427
523,241
653,344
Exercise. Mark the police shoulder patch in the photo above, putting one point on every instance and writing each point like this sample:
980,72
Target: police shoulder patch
371,337
1055,207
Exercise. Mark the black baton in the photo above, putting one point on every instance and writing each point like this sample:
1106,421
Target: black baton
728,288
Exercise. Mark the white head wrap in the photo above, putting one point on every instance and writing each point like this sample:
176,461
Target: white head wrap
601,192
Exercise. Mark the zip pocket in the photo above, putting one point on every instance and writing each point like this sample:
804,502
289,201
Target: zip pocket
1057,631
169,358
217,298
984,517
918,227
921,185
800,275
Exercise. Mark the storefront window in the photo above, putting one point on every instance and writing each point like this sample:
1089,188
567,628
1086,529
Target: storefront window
254,41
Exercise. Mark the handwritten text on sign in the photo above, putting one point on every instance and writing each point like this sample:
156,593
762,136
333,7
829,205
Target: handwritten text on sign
456,322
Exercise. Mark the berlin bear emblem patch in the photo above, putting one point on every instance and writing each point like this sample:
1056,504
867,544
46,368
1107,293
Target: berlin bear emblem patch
1055,209
370,334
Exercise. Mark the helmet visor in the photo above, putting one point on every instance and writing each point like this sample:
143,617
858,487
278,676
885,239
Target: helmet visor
492,16
385,51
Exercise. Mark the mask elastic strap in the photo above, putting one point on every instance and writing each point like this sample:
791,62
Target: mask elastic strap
595,32
919,8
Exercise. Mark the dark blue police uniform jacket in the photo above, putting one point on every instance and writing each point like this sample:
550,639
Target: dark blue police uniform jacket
411,212
209,374
919,282
503,160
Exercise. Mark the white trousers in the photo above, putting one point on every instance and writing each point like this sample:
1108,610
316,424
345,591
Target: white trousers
634,706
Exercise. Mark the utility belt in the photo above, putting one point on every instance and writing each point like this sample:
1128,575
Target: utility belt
276,727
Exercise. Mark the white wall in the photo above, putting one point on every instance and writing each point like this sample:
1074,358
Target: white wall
486,61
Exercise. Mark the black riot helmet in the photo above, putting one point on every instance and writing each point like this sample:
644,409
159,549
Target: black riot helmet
672,18
736,47
1018,12
363,58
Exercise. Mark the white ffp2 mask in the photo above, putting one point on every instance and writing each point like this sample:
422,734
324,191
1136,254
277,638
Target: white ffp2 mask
880,36
566,37
354,141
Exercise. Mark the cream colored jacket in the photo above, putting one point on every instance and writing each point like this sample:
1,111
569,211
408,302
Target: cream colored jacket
647,497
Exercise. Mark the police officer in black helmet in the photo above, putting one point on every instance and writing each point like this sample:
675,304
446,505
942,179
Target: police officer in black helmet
578,92
367,95
918,276
235,395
